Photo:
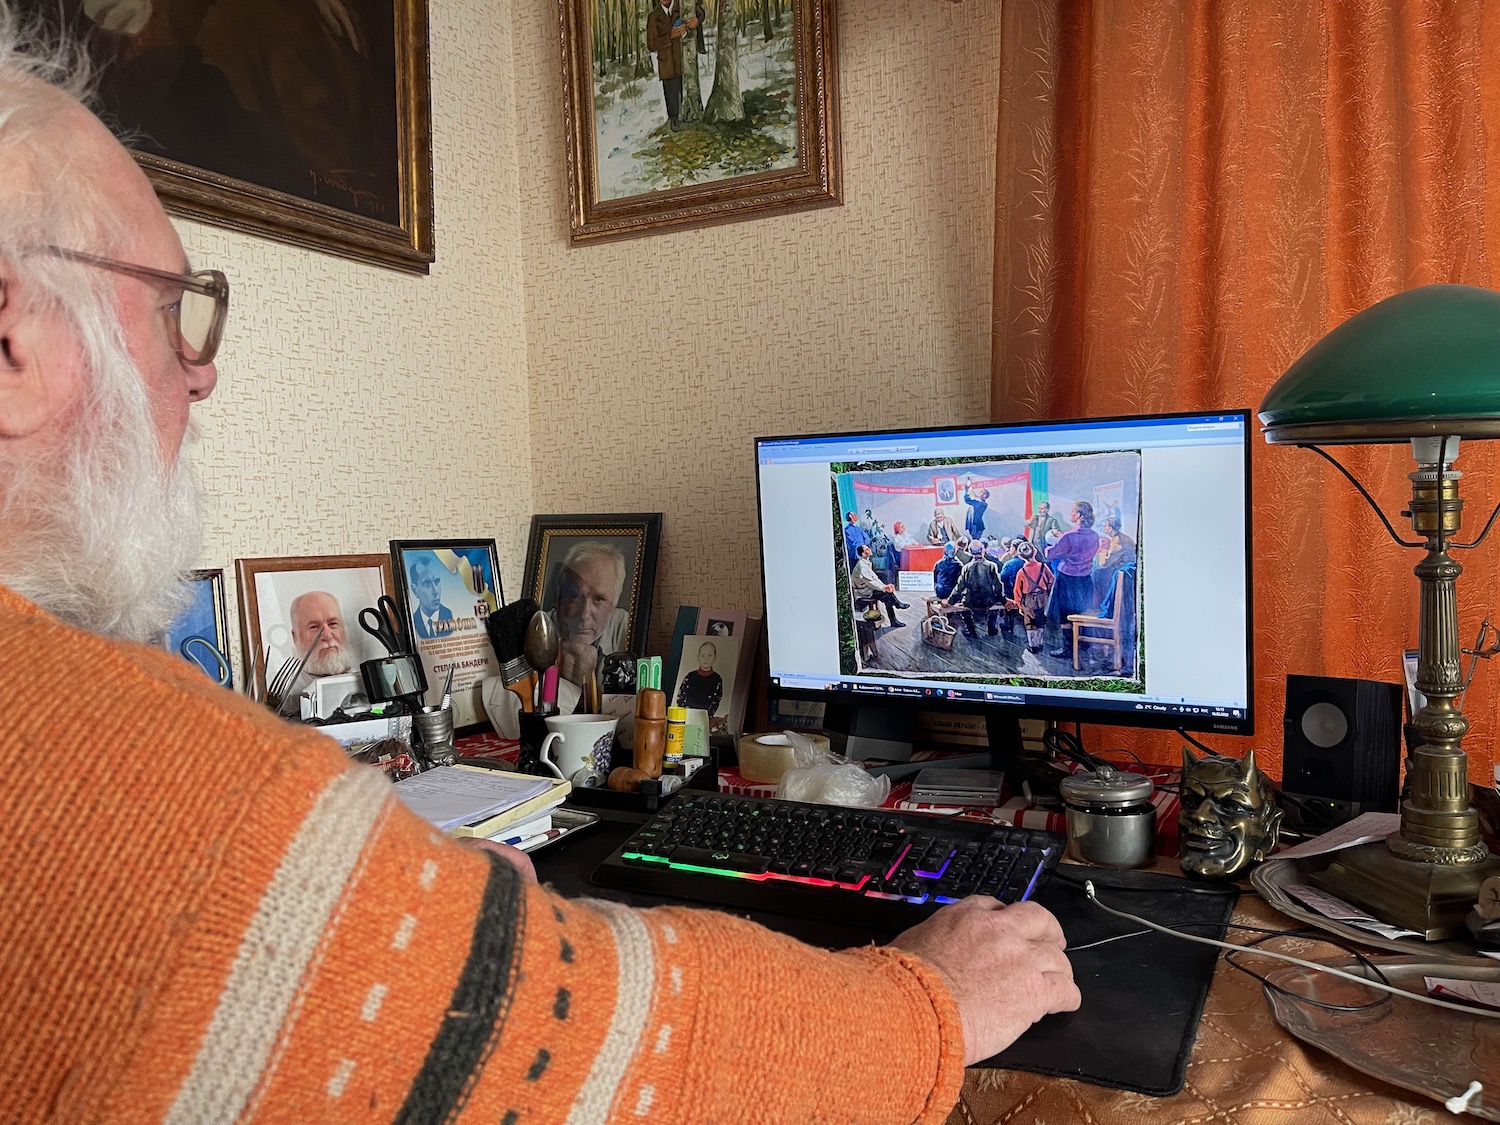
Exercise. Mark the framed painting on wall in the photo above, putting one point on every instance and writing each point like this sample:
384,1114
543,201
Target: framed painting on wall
681,113
306,121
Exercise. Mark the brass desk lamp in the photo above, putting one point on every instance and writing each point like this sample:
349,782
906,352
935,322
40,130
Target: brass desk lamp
1420,367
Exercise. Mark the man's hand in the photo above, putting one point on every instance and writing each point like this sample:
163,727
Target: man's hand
1005,966
519,859
575,660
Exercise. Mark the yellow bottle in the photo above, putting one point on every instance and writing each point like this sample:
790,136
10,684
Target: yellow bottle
676,737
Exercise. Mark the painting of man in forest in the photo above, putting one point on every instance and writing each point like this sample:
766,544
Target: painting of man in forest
688,92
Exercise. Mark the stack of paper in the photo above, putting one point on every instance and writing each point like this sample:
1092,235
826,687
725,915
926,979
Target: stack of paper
474,801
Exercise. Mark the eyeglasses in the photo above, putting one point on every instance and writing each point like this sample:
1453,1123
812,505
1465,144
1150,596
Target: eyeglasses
197,316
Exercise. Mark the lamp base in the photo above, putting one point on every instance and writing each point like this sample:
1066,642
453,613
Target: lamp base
1430,898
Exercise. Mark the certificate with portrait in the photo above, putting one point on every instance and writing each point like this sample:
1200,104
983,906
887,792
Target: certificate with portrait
447,588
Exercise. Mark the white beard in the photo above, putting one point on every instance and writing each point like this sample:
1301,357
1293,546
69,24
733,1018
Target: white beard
104,534
332,661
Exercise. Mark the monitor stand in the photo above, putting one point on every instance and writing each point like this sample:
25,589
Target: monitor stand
862,731
875,731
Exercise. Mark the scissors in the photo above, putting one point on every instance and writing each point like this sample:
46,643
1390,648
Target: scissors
188,647
383,623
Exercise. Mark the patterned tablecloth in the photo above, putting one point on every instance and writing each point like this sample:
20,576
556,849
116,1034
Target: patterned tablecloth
1245,1070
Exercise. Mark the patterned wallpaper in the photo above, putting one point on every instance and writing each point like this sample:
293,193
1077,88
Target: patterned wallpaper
653,363
356,404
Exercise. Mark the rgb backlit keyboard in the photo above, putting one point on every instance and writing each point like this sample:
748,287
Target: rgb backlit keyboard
864,867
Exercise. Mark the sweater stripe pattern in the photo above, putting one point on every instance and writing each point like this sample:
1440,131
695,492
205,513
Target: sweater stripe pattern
212,918
291,918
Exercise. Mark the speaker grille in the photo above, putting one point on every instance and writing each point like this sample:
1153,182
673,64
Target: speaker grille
1343,741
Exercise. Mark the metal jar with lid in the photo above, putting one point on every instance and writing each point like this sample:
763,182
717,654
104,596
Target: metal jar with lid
1111,820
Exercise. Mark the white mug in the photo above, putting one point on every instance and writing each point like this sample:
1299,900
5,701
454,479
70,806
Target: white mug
584,742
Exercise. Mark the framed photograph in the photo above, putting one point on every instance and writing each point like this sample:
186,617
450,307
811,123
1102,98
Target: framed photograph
200,634
283,603
594,575
712,662
681,113
306,122
446,588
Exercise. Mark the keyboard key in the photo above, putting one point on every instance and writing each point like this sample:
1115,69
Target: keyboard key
723,860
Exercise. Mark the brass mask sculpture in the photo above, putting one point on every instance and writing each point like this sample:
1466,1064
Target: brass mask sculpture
1229,818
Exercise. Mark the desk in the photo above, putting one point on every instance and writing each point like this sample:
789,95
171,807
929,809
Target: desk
1244,1069
920,558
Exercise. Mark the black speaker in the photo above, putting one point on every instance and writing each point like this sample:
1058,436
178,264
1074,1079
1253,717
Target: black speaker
1341,750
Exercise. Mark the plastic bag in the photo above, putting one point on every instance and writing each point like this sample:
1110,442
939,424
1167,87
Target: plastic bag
824,778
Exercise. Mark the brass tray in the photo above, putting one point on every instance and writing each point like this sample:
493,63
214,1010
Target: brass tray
1431,1051
1273,876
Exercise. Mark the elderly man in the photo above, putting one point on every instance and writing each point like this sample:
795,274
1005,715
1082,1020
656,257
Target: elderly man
942,529
590,621
269,932
309,613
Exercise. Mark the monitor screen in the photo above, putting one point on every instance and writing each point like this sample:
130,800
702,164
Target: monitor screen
1095,569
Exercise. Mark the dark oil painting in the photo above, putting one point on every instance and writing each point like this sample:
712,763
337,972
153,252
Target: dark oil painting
301,97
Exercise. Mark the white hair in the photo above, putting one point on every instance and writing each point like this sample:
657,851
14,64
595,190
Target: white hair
596,550
107,529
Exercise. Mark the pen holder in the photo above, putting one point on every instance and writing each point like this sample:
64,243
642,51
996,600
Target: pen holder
432,729
650,730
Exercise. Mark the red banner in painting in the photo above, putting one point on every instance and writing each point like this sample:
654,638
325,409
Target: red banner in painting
1014,478
863,487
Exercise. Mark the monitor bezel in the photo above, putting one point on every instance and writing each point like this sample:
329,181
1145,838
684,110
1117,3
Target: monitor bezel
1052,710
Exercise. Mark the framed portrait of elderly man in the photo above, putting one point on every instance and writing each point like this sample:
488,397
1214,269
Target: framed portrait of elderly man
285,602
594,575
306,121
446,589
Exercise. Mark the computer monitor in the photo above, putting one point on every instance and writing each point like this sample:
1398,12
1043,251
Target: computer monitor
1144,523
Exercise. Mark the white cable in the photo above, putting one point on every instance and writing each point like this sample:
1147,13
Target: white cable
1468,1010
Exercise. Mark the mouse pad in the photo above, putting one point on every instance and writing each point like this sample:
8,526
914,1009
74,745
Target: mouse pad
1142,996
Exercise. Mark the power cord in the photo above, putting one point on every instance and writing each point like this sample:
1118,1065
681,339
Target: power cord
1089,891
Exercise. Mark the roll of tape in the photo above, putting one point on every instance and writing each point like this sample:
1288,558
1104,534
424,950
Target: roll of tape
765,757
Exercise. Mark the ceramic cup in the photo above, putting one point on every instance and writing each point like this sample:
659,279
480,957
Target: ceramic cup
578,742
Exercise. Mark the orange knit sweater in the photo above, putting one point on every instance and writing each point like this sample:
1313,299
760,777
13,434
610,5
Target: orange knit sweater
209,916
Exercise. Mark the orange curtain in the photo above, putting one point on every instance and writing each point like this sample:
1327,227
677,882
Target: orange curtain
1189,194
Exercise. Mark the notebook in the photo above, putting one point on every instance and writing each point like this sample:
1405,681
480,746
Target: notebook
475,801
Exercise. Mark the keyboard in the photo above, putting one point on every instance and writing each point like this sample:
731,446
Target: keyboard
873,868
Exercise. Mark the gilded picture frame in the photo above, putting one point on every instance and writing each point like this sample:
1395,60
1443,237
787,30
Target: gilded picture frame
595,575
307,123
769,147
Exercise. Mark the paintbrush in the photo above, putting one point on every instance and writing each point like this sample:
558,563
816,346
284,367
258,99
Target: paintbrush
507,631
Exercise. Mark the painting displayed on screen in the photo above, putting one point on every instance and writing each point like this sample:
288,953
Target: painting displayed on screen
1002,570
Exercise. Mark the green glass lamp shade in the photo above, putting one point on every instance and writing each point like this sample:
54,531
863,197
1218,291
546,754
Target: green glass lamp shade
1424,363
